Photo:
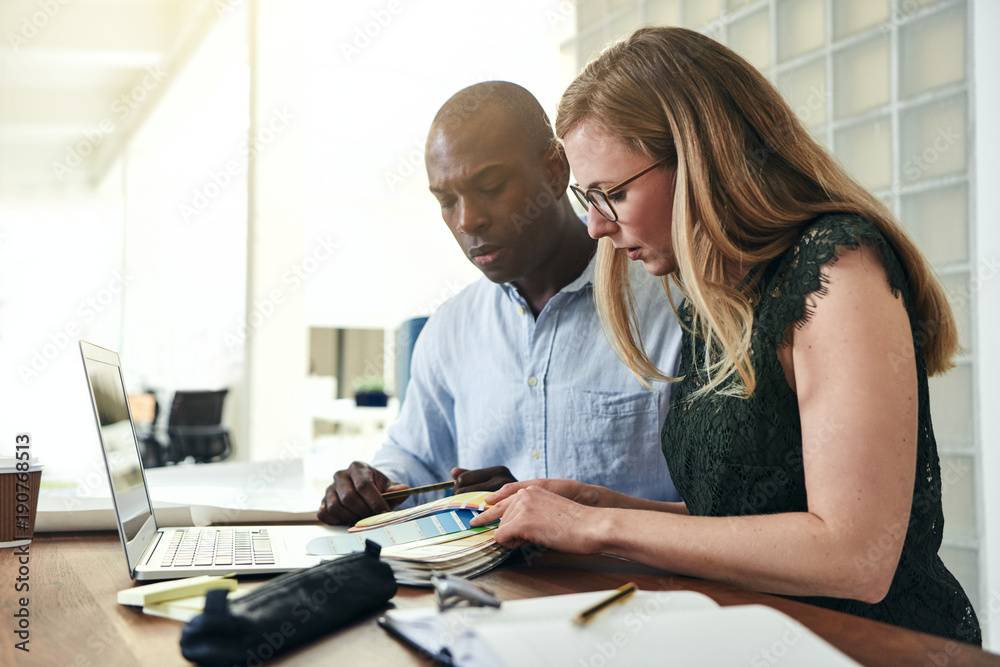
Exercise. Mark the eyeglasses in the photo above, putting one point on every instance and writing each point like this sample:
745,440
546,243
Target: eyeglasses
599,198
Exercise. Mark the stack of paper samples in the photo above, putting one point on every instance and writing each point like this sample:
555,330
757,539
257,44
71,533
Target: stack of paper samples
433,537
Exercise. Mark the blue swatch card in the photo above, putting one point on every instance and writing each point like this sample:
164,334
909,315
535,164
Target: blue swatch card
433,525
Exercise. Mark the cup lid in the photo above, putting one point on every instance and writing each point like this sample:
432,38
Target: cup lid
9,464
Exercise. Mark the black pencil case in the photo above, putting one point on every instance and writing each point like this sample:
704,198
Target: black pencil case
288,611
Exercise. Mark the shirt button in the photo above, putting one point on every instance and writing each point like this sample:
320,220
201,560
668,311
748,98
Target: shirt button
520,310
532,381
535,453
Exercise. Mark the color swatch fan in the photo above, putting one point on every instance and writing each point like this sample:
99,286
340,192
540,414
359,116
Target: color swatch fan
428,538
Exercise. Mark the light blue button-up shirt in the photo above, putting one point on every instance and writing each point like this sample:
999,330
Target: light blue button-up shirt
492,385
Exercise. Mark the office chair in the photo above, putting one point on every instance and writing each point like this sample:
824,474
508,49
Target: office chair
145,415
195,428
406,338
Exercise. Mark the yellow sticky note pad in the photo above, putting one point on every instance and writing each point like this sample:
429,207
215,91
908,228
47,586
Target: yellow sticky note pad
141,596
182,609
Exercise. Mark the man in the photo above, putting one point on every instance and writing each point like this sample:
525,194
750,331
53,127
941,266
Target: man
513,378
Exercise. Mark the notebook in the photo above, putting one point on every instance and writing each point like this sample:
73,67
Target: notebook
648,628
156,553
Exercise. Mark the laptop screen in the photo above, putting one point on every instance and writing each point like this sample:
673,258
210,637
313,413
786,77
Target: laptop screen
121,451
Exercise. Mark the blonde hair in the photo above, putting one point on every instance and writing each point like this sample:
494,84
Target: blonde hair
748,178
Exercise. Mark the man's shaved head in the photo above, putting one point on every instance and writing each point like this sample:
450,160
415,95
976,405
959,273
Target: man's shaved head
518,105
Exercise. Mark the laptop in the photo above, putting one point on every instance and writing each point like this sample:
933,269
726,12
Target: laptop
155,553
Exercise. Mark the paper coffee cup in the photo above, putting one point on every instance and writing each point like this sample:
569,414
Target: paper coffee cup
18,500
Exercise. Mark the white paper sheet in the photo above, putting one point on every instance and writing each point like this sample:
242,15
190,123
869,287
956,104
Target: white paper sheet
228,492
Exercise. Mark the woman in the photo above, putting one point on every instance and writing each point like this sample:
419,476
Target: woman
799,432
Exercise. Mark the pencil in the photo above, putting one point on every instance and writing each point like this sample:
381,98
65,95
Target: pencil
403,493
616,597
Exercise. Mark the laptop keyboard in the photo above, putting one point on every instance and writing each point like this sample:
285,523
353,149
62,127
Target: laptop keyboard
200,547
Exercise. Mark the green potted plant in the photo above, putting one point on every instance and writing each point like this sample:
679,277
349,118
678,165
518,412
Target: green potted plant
369,391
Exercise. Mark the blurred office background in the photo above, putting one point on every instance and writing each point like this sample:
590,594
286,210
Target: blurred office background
231,193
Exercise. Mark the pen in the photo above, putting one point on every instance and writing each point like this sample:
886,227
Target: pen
616,597
403,493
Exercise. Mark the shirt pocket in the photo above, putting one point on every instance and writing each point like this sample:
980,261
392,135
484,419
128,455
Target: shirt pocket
612,439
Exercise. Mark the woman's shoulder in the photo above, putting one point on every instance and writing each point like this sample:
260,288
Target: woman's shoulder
802,271
823,238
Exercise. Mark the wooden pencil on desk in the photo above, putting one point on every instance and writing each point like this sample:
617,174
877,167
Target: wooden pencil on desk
620,594
403,493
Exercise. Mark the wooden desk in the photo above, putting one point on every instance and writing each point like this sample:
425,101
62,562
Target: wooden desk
76,621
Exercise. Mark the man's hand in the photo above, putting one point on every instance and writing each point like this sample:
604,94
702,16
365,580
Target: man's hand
484,479
355,494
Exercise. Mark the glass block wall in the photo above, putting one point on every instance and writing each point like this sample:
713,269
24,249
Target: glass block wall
884,84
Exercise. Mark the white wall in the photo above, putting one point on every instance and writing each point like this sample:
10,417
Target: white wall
186,224
280,258
986,160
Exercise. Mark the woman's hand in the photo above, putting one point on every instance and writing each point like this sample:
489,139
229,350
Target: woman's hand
532,514
585,494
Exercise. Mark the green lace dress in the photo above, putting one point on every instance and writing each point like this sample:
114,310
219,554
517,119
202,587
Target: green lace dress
730,456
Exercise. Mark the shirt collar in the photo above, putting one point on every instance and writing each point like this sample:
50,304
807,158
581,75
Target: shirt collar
584,280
